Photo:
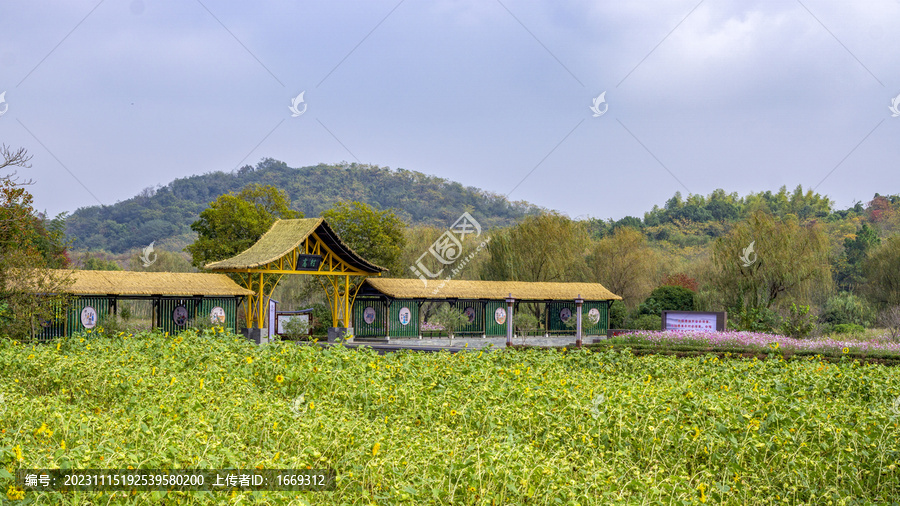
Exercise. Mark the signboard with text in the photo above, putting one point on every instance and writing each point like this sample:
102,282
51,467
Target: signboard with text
308,262
694,320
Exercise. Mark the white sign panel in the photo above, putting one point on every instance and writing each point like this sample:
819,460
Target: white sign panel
217,315
89,317
705,322
405,316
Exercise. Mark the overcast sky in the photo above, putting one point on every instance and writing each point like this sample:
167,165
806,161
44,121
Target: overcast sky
114,96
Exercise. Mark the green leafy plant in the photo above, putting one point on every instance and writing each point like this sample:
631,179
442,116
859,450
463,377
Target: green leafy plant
848,328
296,328
450,318
753,319
526,323
125,311
846,307
112,326
321,319
646,322
799,323
667,298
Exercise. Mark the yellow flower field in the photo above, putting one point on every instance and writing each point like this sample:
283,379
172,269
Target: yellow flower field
502,427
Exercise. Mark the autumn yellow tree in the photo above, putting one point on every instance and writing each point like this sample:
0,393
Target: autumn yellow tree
30,294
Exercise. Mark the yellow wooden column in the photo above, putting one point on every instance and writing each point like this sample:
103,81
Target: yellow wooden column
335,301
259,315
346,301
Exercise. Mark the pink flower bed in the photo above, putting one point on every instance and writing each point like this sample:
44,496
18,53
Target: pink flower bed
760,340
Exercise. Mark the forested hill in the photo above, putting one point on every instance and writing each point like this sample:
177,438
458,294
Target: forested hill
164,215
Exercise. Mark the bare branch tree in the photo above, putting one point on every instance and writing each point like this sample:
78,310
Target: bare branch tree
14,158
890,319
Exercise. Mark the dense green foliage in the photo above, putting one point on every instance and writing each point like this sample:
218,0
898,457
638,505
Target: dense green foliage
375,235
168,211
849,269
847,308
882,270
234,222
512,427
718,208
95,263
645,322
798,323
668,298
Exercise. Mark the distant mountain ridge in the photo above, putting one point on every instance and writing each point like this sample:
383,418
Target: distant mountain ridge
164,215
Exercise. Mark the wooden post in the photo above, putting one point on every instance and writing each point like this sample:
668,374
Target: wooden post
346,302
578,302
259,315
509,319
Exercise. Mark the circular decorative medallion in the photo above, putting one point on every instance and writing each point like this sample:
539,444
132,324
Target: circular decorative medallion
470,313
89,317
180,315
405,316
594,315
217,315
369,315
500,316
564,314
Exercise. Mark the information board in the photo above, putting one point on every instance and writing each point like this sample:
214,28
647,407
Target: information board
693,320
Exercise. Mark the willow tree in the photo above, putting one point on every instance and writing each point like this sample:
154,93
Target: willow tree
625,264
768,262
548,247
882,268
